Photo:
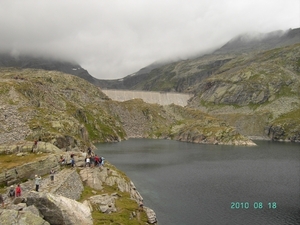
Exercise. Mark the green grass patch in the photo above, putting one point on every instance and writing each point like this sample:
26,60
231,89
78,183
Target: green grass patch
285,91
11,161
88,192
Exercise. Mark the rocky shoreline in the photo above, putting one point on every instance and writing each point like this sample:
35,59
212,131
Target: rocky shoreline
65,201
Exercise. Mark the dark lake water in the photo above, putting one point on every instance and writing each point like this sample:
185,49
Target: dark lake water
193,184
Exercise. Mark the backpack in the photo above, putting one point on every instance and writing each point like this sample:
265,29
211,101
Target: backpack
11,193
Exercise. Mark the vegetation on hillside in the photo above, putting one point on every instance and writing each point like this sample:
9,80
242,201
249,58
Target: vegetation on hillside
71,113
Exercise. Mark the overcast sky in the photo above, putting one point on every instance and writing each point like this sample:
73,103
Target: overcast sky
114,38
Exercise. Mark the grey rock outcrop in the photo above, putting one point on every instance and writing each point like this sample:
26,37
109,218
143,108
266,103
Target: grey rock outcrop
279,133
151,215
28,170
28,146
59,210
105,203
68,184
14,217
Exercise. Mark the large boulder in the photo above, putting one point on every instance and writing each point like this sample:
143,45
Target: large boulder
33,210
59,210
8,217
93,177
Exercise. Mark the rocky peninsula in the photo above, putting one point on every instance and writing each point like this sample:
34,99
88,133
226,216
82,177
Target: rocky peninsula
80,195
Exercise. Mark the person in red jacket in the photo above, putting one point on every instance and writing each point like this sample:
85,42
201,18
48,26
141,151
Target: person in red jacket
18,191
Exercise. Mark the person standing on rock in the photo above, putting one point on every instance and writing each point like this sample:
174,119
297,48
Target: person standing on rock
72,162
37,182
97,160
102,161
88,162
52,172
11,192
18,191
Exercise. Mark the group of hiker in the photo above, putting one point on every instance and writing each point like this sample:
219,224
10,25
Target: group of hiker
17,191
12,192
94,160
91,160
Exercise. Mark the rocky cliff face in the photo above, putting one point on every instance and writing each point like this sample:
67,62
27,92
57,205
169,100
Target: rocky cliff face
72,113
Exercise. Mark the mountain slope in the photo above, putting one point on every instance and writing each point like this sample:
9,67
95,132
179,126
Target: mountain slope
72,113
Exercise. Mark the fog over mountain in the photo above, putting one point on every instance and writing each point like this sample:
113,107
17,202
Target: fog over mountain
112,39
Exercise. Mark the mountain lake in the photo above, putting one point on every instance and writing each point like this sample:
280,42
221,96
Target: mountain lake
186,183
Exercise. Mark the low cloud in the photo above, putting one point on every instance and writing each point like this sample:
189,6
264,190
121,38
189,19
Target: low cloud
112,39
